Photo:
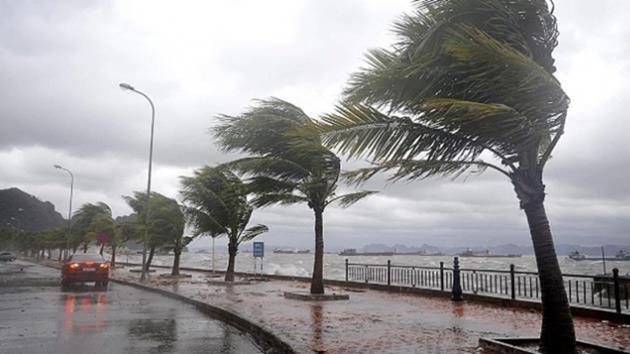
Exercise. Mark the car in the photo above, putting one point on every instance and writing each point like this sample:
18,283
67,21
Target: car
84,268
7,257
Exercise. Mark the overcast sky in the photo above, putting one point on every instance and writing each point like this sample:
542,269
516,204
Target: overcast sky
61,62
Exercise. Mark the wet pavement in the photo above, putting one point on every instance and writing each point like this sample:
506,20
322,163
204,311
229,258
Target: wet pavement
36,316
374,321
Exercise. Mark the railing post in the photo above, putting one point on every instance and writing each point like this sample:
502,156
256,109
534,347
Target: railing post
456,294
512,285
346,271
442,276
389,272
616,289
366,274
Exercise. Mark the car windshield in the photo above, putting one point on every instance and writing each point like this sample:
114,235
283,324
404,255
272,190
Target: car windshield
87,258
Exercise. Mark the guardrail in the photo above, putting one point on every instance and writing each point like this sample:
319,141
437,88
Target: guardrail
610,291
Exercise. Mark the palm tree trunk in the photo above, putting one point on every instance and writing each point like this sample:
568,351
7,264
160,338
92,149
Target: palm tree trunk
232,249
113,255
101,250
557,333
317,282
178,251
150,258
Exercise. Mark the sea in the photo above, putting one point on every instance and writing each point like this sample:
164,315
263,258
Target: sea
334,264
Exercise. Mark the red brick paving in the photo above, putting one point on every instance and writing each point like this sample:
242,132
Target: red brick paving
375,321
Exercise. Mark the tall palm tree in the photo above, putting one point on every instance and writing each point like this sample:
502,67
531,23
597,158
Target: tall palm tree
166,225
289,164
216,204
466,79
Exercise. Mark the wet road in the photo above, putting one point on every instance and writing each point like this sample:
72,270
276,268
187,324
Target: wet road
36,316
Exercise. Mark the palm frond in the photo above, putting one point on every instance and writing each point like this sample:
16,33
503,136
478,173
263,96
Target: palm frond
268,199
419,169
349,199
252,232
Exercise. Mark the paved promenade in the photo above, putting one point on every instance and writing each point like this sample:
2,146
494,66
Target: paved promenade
373,321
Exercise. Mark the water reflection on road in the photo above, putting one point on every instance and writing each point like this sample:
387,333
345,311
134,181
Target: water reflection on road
85,304
120,319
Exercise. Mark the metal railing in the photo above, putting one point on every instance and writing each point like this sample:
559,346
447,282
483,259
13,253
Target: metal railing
610,291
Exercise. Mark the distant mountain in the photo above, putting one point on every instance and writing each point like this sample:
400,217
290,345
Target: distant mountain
21,210
561,249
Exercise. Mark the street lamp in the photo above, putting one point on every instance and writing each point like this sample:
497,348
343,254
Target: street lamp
128,87
69,208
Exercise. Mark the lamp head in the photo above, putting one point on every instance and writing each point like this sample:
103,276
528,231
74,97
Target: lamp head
57,166
126,86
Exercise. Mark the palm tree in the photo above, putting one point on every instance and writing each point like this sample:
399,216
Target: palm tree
466,79
216,204
166,225
89,221
289,164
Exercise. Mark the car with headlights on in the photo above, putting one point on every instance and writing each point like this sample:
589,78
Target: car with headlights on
85,268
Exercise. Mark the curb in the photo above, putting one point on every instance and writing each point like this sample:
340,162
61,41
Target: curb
576,310
263,336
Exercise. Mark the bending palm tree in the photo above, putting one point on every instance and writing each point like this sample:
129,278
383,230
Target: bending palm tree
166,225
467,77
289,165
89,221
216,204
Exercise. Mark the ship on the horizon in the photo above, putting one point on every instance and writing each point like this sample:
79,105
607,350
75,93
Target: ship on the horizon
291,251
486,254
353,252
622,255
577,256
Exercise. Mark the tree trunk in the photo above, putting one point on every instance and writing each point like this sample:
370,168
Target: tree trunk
60,254
150,258
317,282
113,255
557,334
101,250
85,247
232,249
178,251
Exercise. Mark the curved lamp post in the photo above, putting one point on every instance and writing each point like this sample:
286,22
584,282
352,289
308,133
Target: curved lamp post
69,208
128,87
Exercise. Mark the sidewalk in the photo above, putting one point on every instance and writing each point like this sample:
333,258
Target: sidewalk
372,321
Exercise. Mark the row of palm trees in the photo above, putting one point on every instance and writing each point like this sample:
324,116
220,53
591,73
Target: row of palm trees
468,86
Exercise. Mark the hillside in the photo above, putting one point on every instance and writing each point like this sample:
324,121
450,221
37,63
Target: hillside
19,209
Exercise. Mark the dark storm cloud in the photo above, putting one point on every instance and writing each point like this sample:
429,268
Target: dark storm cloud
62,61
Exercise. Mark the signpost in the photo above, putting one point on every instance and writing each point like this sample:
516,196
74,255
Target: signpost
259,251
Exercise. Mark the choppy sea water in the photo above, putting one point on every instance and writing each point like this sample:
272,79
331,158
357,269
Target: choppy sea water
334,265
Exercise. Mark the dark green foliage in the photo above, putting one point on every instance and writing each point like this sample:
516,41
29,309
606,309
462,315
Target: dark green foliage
165,220
216,205
288,163
466,79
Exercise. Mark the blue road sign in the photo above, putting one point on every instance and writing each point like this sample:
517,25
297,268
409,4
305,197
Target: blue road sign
259,249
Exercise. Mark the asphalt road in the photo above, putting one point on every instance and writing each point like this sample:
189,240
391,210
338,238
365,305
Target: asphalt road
37,316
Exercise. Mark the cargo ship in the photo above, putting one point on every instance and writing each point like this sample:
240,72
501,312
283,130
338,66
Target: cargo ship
353,252
486,254
290,251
